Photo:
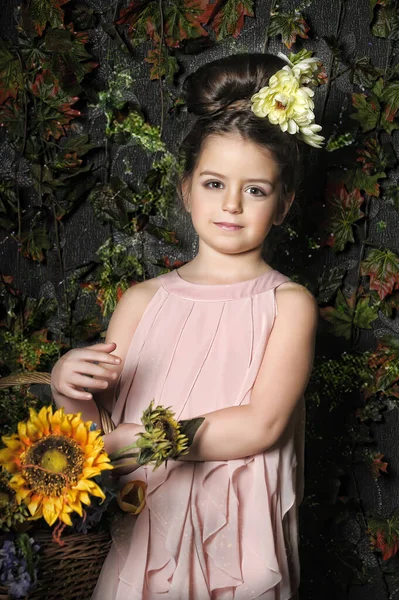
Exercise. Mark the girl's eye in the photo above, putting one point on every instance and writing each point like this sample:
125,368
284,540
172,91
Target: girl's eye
213,185
256,191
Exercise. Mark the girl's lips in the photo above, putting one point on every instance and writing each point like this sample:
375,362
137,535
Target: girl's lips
229,226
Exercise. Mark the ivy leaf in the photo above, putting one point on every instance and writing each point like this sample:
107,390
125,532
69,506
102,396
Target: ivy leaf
54,112
382,266
364,313
364,73
376,157
229,21
163,64
110,203
347,310
183,20
375,464
368,111
13,119
34,242
41,12
8,204
343,210
389,120
385,364
161,233
67,58
329,282
11,77
386,22
340,315
288,25
359,179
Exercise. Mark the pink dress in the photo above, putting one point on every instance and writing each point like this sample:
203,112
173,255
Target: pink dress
215,530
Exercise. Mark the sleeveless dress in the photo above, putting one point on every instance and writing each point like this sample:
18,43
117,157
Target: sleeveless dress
214,530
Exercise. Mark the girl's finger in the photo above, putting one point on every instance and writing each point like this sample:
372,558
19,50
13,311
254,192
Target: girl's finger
97,357
83,380
76,394
104,346
94,370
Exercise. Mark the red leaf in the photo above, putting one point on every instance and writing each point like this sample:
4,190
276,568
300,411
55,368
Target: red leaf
382,266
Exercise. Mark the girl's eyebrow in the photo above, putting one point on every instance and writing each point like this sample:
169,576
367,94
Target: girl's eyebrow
213,174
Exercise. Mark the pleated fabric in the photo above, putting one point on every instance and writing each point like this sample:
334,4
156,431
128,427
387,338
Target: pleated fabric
215,530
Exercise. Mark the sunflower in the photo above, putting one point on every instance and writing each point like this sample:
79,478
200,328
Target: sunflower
162,438
52,460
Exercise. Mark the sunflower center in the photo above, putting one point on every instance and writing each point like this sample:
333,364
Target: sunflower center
53,464
164,424
55,461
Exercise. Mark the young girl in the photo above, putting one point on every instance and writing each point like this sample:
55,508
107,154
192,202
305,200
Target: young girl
226,337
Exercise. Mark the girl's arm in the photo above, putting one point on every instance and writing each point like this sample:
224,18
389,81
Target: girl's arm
77,369
239,431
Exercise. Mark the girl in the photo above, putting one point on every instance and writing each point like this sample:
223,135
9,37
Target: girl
226,337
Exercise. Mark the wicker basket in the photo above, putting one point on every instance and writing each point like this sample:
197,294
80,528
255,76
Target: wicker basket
69,571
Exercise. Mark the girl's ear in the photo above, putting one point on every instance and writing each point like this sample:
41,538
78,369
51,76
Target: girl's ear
185,189
287,205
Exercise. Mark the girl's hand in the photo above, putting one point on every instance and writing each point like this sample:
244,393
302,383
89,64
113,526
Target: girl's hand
124,435
82,368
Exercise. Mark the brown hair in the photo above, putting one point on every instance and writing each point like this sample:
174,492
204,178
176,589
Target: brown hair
219,94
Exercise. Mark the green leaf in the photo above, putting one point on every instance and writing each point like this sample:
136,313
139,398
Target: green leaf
42,12
364,73
164,64
11,76
189,428
329,283
230,19
386,22
340,316
382,266
343,210
357,178
110,203
368,111
288,25
35,242
364,313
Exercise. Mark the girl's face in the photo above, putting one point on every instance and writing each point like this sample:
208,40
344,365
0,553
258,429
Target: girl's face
233,194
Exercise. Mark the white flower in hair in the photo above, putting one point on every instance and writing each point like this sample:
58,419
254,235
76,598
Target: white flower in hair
288,103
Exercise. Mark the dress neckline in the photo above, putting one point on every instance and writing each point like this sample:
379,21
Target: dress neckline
219,285
173,283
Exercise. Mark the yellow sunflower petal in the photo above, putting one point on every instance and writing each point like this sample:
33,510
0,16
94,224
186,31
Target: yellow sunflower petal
85,498
50,512
81,434
34,504
97,491
23,436
44,418
55,421
65,518
13,442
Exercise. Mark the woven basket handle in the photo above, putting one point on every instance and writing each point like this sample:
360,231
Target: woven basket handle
107,424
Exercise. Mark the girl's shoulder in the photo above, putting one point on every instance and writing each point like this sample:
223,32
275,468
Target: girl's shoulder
140,293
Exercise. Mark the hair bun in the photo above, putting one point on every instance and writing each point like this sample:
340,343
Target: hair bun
216,85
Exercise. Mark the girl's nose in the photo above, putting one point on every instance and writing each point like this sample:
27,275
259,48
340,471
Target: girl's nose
232,201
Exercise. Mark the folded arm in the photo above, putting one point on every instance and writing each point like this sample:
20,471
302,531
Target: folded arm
239,431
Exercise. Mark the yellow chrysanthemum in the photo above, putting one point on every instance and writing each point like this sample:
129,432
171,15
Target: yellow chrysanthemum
288,103
52,459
